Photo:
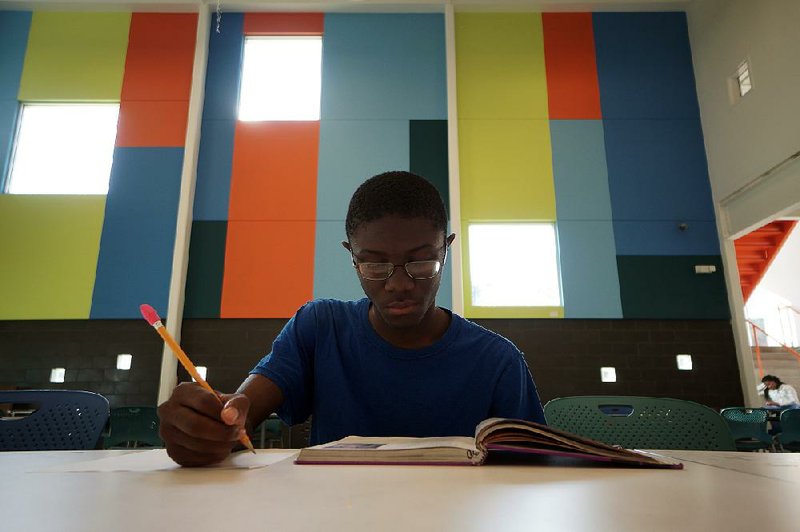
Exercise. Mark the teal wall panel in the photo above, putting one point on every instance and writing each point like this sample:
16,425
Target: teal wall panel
590,282
205,270
667,287
579,170
383,66
351,151
666,238
334,275
14,28
138,236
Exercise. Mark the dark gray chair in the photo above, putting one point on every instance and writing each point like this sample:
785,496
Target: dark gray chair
59,420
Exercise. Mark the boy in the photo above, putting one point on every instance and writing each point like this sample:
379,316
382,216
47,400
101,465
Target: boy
392,364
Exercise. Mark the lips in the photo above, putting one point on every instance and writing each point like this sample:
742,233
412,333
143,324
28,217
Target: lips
400,308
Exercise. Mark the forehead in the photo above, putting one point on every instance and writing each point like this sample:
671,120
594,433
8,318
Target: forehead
396,233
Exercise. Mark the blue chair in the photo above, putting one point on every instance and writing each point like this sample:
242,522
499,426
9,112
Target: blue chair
641,422
748,427
132,426
59,420
789,437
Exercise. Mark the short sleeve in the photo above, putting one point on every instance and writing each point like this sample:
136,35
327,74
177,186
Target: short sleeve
290,365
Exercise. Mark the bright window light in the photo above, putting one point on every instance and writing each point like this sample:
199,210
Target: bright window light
203,371
743,79
608,374
684,362
124,361
57,374
64,149
514,265
281,78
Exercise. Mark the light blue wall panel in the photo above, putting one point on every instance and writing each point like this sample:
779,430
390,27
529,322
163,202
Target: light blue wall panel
384,66
334,275
215,159
590,282
644,65
350,151
579,170
14,27
138,237
665,238
657,170
223,74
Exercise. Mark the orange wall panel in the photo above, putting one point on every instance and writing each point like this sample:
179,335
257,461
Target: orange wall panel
572,88
274,174
158,65
152,124
269,269
283,23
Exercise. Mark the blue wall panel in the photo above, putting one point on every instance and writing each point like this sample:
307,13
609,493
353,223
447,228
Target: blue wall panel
665,238
590,282
334,275
644,65
223,74
214,163
579,170
350,151
14,27
138,237
378,66
657,170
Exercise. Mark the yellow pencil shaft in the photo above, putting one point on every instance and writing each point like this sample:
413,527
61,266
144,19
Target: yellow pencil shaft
190,367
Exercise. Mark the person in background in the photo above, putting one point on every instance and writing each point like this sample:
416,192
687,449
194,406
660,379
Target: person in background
778,393
391,364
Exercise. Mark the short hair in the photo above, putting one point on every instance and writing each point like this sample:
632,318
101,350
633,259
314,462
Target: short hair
396,193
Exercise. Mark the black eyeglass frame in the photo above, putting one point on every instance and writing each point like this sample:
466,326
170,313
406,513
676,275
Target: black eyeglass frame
441,263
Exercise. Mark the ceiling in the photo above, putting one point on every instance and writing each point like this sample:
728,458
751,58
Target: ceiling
351,5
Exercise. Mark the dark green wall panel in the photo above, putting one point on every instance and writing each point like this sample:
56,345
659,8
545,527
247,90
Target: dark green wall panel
206,266
428,146
667,287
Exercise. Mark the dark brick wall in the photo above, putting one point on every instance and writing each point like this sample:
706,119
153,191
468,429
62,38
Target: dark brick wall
88,350
565,356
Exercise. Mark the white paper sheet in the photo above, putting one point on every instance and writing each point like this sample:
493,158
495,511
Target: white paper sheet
157,460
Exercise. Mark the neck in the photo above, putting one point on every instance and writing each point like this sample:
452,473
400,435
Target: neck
432,327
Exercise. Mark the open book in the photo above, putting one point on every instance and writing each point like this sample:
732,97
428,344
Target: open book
495,435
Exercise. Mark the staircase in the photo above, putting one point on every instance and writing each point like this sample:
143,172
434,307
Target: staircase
779,362
756,251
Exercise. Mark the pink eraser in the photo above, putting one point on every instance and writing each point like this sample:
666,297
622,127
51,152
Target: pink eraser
149,314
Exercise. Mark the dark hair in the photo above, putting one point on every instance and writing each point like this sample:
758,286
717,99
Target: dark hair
395,193
772,378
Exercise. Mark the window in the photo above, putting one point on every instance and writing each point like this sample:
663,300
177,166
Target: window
64,149
514,265
743,79
281,78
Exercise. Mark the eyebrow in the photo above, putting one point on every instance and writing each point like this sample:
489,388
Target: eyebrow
414,250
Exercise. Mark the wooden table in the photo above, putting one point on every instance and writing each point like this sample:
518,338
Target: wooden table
716,491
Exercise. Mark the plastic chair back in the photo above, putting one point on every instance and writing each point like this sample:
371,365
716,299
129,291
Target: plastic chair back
132,426
63,420
789,437
641,422
748,427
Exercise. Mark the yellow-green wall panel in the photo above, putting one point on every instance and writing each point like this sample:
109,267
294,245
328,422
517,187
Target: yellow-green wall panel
506,170
49,249
500,69
75,57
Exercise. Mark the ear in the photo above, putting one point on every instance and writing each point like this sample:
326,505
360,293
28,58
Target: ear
346,246
451,238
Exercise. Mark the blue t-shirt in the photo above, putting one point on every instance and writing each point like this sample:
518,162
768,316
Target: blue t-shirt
330,363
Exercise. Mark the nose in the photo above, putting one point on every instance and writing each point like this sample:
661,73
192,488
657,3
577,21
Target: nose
399,281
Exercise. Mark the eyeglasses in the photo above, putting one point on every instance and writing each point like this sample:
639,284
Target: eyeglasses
417,269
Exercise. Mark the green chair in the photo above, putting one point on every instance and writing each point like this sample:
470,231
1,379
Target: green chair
133,426
789,437
641,422
270,432
748,427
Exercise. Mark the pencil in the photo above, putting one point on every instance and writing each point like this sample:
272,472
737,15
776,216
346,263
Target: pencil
150,314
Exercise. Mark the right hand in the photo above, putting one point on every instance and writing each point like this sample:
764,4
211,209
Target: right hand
197,429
